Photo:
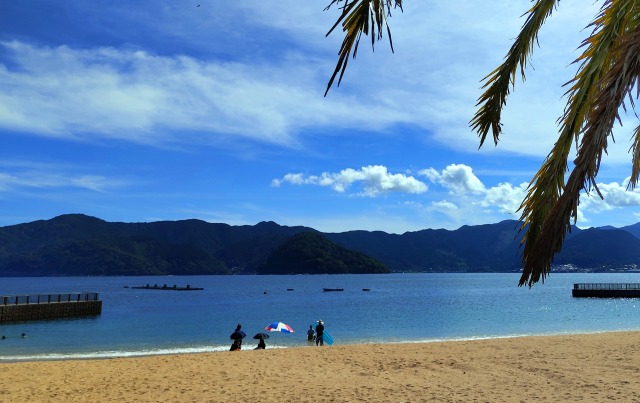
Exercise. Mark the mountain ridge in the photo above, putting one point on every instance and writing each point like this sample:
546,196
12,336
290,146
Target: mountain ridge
77,244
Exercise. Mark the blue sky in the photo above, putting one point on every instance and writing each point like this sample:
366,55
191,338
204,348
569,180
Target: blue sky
139,111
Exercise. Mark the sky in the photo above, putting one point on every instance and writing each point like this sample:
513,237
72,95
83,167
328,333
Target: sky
150,110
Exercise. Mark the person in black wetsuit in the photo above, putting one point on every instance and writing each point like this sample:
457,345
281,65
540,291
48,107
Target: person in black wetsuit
320,333
311,334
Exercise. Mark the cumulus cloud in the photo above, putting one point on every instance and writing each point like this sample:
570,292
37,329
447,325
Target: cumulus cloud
505,197
458,178
614,195
444,206
470,196
470,192
375,179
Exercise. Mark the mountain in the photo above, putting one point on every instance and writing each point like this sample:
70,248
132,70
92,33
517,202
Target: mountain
596,247
488,248
76,244
312,253
633,229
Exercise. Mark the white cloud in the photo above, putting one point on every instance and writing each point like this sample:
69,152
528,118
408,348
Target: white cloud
458,178
376,180
48,180
91,182
52,177
431,174
615,196
505,197
444,206
472,200
139,96
144,98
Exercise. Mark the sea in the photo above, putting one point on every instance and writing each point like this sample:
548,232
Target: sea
382,308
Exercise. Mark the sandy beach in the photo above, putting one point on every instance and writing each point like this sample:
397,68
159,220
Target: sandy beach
590,368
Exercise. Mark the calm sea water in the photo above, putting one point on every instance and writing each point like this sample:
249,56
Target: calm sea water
398,308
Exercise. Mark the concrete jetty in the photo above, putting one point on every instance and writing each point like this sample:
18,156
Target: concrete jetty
606,290
15,308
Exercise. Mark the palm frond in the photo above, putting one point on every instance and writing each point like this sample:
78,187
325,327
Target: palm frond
359,17
635,159
548,183
500,80
617,83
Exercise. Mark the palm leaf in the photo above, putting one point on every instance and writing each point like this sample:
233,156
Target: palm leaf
635,148
500,80
548,183
617,83
358,17
614,19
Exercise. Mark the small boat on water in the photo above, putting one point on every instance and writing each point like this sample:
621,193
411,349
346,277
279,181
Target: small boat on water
165,287
333,289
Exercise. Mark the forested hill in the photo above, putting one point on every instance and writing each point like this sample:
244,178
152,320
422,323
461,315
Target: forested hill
76,244
312,253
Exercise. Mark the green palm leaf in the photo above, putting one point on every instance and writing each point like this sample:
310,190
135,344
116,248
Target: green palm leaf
359,17
548,184
500,80
614,86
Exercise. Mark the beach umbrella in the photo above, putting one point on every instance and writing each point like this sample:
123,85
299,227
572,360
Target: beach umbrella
261,336
279,327
238,335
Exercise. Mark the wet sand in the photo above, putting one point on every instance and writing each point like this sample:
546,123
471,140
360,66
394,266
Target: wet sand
589,368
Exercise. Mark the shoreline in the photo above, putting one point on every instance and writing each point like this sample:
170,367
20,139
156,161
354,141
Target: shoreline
589,367
107,355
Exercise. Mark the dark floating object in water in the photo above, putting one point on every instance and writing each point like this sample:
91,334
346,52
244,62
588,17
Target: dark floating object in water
333,289
165,287
289,289
366,289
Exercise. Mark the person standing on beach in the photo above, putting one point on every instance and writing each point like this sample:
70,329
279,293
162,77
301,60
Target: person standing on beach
320,333
311,334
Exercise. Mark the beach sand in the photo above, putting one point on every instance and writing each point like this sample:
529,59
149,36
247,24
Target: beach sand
588,368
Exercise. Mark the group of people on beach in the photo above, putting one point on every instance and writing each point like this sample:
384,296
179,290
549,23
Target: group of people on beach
237,337
316,335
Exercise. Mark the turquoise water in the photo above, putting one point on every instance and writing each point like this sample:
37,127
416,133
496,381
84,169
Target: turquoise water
398,308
